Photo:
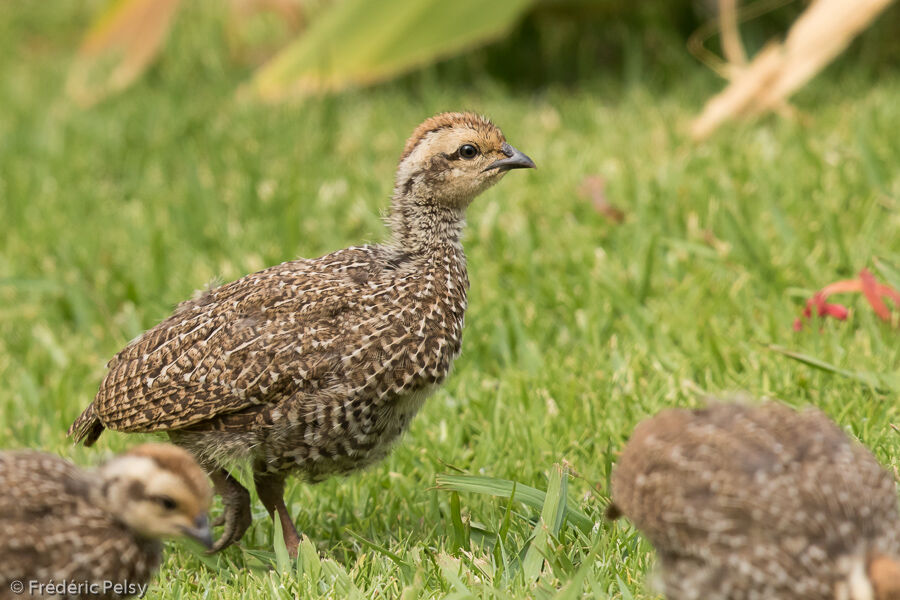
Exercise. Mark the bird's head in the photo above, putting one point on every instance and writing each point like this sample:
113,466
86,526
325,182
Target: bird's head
452,157
158,491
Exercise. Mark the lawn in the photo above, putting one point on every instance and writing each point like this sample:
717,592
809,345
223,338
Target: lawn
578,327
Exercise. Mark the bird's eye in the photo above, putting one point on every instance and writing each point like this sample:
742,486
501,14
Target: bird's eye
166,502
468,151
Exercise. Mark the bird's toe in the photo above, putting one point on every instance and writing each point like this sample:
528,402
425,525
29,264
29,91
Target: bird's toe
236,520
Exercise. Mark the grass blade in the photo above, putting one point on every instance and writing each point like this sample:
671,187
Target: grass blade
379,548
282,558
874,380
337,576
505,488
552,515
450,568
504,526
647,274
888,271
460,535
623,589
308,564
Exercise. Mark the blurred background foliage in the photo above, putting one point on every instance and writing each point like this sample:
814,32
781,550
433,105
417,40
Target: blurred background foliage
295,48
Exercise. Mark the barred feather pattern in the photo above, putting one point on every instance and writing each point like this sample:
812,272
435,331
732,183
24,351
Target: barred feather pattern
53,530
755,502
317,366
311,364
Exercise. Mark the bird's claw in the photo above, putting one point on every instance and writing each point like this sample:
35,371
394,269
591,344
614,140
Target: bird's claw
236,516
236,520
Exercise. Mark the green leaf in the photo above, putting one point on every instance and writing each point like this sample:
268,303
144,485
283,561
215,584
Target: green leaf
379,548
552,515
336,575
572,590
282,558
504,526
460,535
504,488
360,42
878,381
308,563
623,589
450,568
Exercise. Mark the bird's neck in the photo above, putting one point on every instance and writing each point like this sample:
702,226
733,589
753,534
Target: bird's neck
422,226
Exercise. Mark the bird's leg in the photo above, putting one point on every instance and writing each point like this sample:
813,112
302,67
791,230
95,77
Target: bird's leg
236,515
270,489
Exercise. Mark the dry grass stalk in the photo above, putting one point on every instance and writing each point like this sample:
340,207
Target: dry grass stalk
822,32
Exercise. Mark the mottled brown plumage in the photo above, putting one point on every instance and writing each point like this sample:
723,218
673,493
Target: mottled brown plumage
760,502
316,366
60,523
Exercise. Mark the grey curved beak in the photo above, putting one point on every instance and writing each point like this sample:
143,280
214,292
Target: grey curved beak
200,531
514,160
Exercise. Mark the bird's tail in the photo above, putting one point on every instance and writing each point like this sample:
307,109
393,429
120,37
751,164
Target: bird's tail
86,428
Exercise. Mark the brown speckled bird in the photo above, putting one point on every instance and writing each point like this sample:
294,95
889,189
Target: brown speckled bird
760,502
316,366
60,523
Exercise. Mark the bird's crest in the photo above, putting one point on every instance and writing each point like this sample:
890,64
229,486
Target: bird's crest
477,123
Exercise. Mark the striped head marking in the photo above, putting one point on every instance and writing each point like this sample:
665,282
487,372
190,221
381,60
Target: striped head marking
158,491
453,157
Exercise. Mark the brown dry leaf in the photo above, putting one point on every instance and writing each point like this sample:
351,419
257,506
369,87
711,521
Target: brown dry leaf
593,188
822,32
118,47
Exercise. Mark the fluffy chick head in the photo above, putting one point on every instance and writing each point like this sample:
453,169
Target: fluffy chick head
452,157
159,492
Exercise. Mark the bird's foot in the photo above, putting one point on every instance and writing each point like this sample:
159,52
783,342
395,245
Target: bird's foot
270,489
291,535
218,521
236,515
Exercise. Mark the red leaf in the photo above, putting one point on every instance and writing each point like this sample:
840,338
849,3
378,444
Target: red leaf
866,284
870,290
837,311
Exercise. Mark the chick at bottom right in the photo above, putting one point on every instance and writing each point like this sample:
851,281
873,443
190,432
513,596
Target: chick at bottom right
746,501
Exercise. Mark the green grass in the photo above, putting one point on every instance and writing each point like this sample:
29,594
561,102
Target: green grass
577,328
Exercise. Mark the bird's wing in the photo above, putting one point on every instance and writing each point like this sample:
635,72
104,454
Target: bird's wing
249,342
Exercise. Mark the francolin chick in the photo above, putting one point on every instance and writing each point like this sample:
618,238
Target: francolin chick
64,526
760,502
316,366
